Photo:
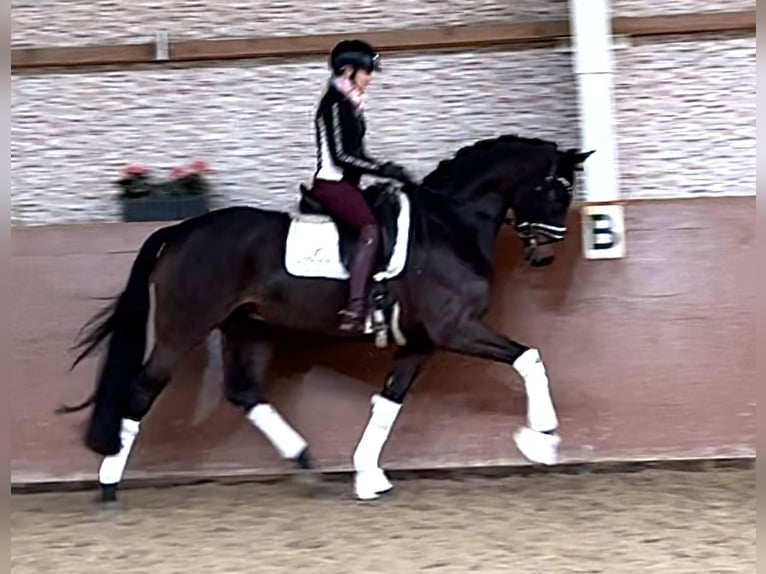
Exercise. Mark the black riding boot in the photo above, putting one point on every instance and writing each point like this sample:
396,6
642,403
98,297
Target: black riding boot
355,313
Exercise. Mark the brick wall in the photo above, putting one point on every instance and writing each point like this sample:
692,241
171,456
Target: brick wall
100,21
686,117
686,107
663,7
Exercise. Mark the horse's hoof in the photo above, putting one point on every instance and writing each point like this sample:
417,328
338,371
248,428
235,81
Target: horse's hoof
307,474
108,493
304,461
371,484
537,447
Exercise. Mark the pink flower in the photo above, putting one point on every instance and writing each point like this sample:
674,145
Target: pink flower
178,173
135,170
199,167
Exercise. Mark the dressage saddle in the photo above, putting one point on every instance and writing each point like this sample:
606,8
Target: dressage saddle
385,206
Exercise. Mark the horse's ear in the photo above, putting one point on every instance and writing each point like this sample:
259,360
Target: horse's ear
579,157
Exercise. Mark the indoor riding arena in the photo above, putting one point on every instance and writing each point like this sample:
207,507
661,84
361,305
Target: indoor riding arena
645,320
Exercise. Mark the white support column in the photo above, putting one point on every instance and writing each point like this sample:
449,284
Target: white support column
603,222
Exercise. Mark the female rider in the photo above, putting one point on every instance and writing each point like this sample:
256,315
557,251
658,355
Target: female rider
342,160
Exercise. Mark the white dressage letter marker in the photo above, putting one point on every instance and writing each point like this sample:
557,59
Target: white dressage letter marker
603,231
282,436
541,416
113,467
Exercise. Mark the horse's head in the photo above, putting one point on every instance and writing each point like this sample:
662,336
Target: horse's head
528,176
541,206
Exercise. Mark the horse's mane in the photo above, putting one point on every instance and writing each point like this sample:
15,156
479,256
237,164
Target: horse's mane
446,169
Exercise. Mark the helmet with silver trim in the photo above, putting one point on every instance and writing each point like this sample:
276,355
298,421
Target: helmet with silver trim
355,53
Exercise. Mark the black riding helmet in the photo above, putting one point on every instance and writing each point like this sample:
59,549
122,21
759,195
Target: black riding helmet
355,53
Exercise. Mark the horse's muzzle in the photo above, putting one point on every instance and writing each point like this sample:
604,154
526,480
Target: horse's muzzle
540,255
540,241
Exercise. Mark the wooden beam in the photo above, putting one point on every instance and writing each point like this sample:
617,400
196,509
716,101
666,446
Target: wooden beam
684,24
421,39
291,46
389,40
120,54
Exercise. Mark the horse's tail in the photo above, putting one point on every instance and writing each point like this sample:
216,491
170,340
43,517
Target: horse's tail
125,320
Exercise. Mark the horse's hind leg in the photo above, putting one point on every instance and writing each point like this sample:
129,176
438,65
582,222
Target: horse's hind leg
247,354
144,391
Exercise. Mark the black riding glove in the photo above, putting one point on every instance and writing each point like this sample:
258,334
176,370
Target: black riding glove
394,171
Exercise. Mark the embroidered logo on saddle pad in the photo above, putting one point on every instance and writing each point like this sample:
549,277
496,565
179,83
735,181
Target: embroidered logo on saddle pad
314,246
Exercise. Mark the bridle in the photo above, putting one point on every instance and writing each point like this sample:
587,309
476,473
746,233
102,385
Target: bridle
535,233
532,233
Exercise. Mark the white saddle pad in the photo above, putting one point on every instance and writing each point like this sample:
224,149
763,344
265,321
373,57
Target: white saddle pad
312,246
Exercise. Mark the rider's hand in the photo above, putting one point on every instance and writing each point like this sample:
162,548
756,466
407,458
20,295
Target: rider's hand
395,171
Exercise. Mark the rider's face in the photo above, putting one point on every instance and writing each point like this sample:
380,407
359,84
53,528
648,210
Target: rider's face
362,79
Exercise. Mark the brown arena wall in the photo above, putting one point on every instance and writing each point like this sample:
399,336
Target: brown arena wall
650,357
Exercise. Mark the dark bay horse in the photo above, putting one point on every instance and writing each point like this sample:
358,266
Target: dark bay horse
201,274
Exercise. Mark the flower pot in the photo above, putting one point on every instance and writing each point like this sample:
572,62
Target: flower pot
163,208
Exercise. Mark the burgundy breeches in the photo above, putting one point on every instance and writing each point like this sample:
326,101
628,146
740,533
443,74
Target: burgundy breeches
344,200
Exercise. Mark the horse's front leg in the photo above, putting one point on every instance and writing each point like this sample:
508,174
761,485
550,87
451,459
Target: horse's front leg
370,481
538,441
